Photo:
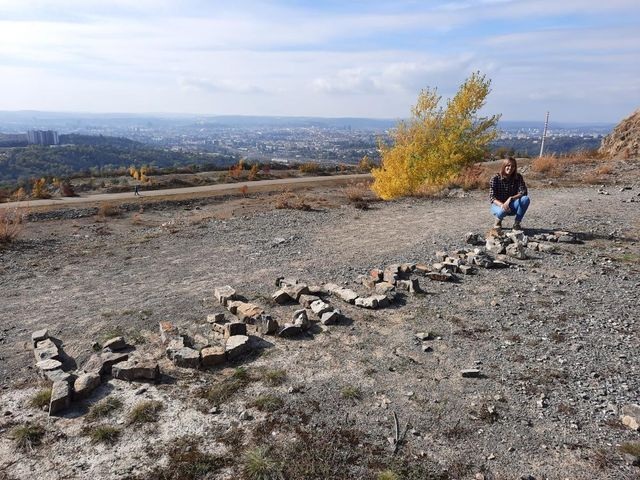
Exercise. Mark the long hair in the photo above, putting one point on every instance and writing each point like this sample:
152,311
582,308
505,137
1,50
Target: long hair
506,162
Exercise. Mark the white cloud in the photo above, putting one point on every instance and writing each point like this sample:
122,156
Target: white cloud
219,85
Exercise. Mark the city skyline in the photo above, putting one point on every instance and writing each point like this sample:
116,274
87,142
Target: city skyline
325,59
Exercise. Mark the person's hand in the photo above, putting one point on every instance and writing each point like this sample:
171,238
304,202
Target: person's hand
505,206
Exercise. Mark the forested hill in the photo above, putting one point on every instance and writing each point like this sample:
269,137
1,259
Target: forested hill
20,164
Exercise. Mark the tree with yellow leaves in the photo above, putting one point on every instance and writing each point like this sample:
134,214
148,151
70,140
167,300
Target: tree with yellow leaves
436,144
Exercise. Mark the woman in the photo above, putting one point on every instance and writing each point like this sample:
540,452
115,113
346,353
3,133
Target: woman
508,194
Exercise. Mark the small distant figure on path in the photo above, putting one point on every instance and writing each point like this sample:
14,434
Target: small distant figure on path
136,190
508,194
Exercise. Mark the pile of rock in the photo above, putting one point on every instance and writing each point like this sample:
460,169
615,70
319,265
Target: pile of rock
68,386
291,290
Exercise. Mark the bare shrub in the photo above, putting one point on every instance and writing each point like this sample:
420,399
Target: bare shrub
107,209
358,194
309,167
11,224
550,166
471,178
243,190
293,201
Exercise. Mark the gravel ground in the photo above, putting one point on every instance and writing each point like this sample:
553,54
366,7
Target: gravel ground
555,337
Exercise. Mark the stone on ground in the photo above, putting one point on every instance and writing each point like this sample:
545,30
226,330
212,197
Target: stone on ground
330,317
85,384
136,370
224,294
39,335
168,331
45,350
290,330
319,307
265,325
212,356
234,328
102,363
307,300
301,319
60,397
631,416
116,343
237,346
186,357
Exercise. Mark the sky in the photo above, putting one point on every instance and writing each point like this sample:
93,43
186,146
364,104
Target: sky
577,59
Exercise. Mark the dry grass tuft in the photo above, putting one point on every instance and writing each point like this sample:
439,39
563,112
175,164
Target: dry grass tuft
550,166
274,377
27,436
290,200
107,209
104,408
259,465
103,434
358,194
631,448
267,403
145,412
474,177
351,393
41,399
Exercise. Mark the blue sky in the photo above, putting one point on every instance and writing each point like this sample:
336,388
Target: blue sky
578,59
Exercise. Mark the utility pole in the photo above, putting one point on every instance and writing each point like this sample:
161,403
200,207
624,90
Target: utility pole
544,134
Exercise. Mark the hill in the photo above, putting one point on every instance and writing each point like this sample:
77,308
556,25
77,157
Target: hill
624,141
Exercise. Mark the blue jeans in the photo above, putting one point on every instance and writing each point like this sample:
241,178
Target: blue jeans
518,208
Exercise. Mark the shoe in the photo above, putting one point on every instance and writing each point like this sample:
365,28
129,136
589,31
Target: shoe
498,224
517,226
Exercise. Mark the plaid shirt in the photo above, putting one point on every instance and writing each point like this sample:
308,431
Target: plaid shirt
503,188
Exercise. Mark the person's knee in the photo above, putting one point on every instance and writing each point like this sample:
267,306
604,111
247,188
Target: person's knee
524,201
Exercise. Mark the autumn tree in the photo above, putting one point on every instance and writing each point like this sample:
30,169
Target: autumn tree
434,145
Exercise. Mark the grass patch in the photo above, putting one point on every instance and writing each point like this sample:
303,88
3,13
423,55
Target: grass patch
11,224
351,393
387,475
27,436
145,412
274,377
103,434
41,399
257,464
188,462
104,408
267,403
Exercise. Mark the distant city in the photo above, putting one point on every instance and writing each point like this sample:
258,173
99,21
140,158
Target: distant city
272,139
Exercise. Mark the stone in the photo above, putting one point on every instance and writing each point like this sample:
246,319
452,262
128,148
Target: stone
331,287
301,319
470,373
212,356
533,246
115,344
630,416
422,268
495,245
440,276
85,384
174,345
168,331
286,281
565,237
265,325
447,267
49,364
441,256
367,302
39,335
295,291
376,274
234,328
186,357
306,300
57,375
383,300
233,305
412,285
331,317
136,370
517,236
237,346
499,264
546,248
466,269
346,295
281,297
385,287
516,250
248,312
290,330
46,350
424,336
370,283
472,238
224,294
390,274
60,397
216,318
407,268
102,363
319,307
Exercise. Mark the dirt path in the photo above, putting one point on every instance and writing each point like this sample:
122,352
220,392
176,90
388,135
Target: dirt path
191,192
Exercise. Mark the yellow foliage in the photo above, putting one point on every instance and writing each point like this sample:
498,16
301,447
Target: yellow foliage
436,144
253,172
39,189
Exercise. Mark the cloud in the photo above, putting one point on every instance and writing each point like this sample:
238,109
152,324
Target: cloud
219,86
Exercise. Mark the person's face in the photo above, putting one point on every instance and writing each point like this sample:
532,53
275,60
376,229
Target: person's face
509,168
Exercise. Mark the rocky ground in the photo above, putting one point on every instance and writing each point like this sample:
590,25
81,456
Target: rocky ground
554,338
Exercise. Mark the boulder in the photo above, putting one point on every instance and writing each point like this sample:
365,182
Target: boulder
212,356
281,297
367,302
102,363
412,285
136,370
224,294
168,331
48,365
46,350
233,305
85,384
330,317
234,328
383,288
60,397
236,346
115,344
248,312
57,375
39,335
295,291
186,357
265,325
346,295
319,307
307,300
301,319
630,416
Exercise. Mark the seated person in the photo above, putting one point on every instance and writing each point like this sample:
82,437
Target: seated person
508,194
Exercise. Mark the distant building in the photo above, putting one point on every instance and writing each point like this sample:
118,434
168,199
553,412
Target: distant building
43,137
